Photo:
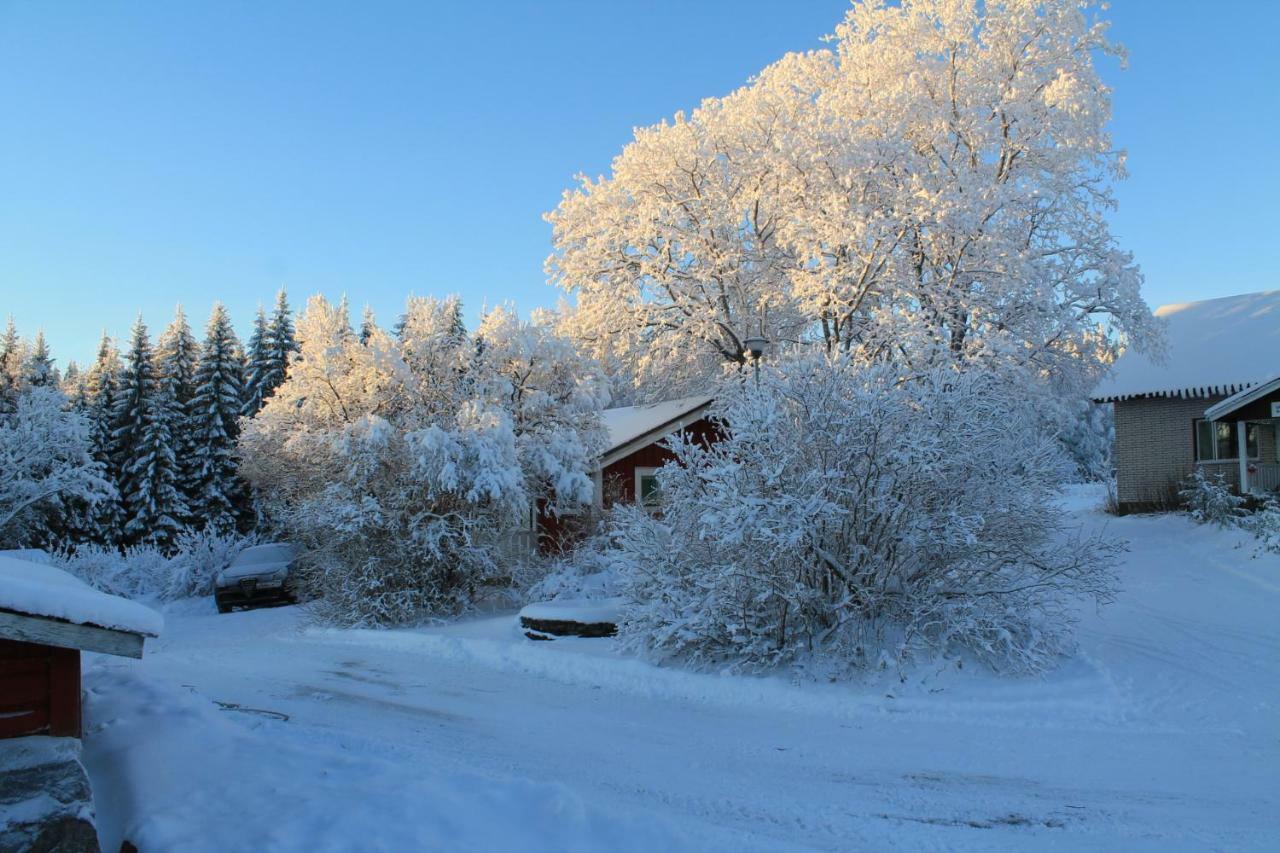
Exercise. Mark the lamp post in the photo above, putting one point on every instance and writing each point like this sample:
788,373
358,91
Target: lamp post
755,347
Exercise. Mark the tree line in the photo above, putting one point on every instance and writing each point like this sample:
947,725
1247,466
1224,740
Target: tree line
157,422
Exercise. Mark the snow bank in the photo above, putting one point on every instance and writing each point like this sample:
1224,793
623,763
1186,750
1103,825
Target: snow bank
39,590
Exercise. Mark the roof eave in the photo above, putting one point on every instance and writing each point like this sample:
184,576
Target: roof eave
645,439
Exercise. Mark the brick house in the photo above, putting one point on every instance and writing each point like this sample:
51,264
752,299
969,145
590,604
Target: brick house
1207,404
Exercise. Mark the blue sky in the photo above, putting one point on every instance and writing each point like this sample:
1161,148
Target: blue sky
153,153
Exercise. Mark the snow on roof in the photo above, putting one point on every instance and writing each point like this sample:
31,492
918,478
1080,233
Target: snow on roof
628,423
1217,346
44,591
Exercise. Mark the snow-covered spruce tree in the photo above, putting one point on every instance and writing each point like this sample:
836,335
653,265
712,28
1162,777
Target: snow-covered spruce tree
146,465
176,356
271,346
101,522
12,359
45,468
256,365
857,516
396,463
931,188
39,371
218,495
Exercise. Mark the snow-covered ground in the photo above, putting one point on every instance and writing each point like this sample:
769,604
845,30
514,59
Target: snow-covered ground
256,731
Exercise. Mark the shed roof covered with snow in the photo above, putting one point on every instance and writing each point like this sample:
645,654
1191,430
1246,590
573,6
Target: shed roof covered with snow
630,427
77,615
1216,346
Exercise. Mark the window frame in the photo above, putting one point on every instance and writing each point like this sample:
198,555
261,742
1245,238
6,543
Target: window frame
1234,440
640,474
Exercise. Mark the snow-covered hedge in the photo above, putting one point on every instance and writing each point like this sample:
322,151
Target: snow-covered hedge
852,517
152,573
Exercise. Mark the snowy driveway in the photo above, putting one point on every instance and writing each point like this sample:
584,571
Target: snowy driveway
254,731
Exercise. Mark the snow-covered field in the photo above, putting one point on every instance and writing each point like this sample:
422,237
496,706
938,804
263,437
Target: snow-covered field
257,731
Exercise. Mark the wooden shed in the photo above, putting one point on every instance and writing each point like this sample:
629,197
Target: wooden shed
47,617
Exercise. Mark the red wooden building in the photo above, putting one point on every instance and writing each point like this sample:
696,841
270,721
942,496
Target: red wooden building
47,617
626,472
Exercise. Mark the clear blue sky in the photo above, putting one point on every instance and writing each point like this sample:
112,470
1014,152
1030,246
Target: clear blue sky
157,152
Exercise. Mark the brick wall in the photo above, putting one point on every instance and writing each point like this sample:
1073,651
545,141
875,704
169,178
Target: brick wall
1155,449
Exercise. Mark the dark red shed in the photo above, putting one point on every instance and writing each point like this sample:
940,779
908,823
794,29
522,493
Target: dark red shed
46,618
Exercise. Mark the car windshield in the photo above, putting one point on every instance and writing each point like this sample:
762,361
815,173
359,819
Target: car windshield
265,554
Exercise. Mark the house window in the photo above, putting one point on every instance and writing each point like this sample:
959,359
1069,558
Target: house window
647,490
1217,440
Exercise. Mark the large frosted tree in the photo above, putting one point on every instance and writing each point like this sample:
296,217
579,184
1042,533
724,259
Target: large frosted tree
215,410
146,464
176,356
257,365
102,521
931,188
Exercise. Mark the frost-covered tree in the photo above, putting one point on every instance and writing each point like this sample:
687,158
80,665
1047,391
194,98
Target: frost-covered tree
101,522
216,403
368,324
176,356
399,463
271,347
12,358
45,467
257,365
932,188
854,516
554,396
147,470
39,371
72,385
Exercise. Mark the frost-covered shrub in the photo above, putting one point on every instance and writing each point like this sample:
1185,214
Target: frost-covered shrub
1210,500
1264,524
851,517
588,571
400,465
150,572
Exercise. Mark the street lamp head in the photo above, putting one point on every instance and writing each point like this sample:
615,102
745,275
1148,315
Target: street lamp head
755,347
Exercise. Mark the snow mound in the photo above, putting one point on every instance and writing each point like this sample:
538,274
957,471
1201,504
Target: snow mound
37,590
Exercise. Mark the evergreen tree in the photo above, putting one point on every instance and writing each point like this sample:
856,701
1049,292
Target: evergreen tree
143,439
281,344
216,410
101,523
73,386
11,361
368,325
177,354
257,365
38,370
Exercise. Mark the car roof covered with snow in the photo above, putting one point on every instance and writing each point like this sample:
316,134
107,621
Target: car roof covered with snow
1216,346
32,589
631,423
260,559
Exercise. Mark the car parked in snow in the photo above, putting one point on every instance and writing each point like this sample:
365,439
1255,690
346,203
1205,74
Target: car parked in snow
258,575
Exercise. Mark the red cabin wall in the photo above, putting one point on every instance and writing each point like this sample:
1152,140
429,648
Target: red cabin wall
39,690
619,479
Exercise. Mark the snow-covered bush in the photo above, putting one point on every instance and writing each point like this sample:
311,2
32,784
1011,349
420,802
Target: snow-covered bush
46,468
400,464
852,516
1264,523
149,572
1210,500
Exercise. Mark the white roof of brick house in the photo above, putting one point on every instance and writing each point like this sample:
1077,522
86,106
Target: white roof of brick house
1217,346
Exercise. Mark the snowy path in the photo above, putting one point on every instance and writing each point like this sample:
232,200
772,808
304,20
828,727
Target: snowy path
1165,734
